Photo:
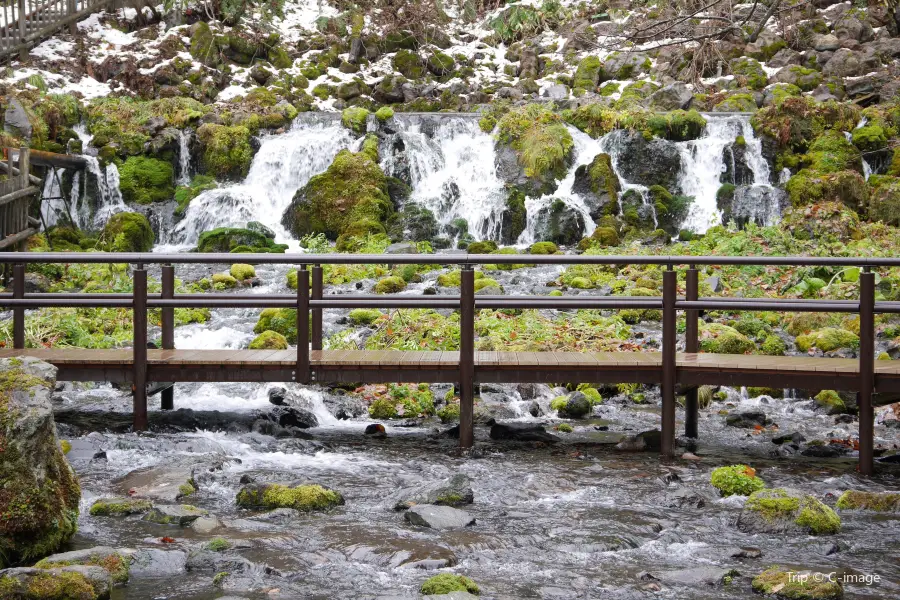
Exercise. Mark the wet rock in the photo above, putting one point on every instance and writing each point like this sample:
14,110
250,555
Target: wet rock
577,406
748,552
598,186
560,223
16,121
642,442
535,410
39,493
794,438
707,576
305,497
672,97
557,91
824,450
169,482
451,596
686,498
454,491
438,517
652,162
183,514
784,510
77,581
747,420
206,525
120,507
521,432
115,564
207,560
151,562
277,396
375,430
346,407
777,582
292,416
847,63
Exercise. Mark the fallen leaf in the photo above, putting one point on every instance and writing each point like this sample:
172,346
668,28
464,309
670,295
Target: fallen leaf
167,540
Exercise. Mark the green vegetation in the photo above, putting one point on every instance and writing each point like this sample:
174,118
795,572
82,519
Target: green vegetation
364,316
128,232
354,119
269,340
877,501
805,511
225,151
146,180
739,480
828,339
390,285
304,498
242,272
793,585
722,339
277,320
234,239
540,139
404,401
185,193
114,563
218,544
448,582
117,507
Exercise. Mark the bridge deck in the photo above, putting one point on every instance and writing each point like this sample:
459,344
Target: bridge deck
334,366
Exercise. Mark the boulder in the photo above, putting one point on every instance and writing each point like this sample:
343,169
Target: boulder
778,582
675,96
174,514
644,441
651,162
39,496
292,416
598,185
119,507
150,562
747,420
784,510
850,63
109,559
16,121
455,491
438,517
557,91
560,223
577,406
167,482
521,432
61,583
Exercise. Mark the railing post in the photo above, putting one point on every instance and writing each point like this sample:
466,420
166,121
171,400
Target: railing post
467,357
139,351
667,440
317,312
18,313
302,375
23,26
167,322
71,10
691,345
866,371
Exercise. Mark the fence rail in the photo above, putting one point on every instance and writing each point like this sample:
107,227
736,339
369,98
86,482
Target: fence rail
309,363
24,23
15,195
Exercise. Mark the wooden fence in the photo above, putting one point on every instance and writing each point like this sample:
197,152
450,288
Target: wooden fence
16,192
25,23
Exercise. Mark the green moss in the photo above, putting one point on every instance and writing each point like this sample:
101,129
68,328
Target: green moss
486,282
832,400
186,489
449,413
453,278
383,408
223,281
736,103
773,346
269,340
304,498
587,74
409,63
364,316
601,238
117,565
749,73
127,232
218,544
565,428
485,247
118,507
231,239
877,501
448,582
677,125
124,121
280,320
541,141
591,394
739,480
65,445
581,283
203,45
48,586
543,248
828,339
805,511
354,119
225,151
390,285
722,339
793,585
146,180
242,272
185,193
608,89
220,577
440,64
818,518
869,138
384,113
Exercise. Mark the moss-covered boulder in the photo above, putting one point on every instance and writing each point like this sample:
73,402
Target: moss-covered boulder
279,320
364,316
440,64
876,501
354,119
350,197
749,73
390,285
145,180
40,494
303,498
120,507
543,248
828,339
409,64
62,583
831,401
783,510
231,239
269,340
884,199
536,148
791,584
602,237
127,232
587,74
722,339
203,44
225,151
738,480
446,583
116,564
599,186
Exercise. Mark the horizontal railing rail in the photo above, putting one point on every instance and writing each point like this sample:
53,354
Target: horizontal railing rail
310,300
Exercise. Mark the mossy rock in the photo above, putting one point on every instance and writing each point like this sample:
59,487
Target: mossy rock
440,64
229,239
390,285
303,498
127,232
739,102
677,125
541,141
773,346
364,316
242,272
269,340
828,339
739,480
445,583
543,248
384,113
602,237
454,278
409,64
832,401
203,45
485,247
791,584
119,507
145,180
117,565
354,119
749,73
449,413
225,151
223,281
280,320
801,323
52,584
876,501
783,510
351,194
722,339
587,74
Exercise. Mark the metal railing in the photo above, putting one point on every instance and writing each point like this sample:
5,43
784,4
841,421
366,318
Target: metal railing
310,301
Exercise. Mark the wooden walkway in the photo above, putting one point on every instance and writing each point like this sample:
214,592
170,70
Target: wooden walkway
348,366
26,23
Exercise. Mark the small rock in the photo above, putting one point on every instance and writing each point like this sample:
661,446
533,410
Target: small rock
151,562
521,432
182,515
277,396
205,524
795,437
706,576
748,552
644,441
690,456
375,430
455,491
438,517
747,420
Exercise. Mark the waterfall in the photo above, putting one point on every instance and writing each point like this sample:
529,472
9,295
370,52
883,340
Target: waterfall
109,198
611,144
584,150
449,164
283,164
184,158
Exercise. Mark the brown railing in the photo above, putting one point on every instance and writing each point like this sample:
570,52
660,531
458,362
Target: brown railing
24,23
16,192
310,299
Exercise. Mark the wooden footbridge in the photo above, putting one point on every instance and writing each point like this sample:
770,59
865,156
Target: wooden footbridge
310,363
25,23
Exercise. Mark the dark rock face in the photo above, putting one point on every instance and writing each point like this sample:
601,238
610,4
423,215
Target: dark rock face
651,162
560,223
521,432
644,441
676,96
292,416
737,171
598,185
747,420
577,406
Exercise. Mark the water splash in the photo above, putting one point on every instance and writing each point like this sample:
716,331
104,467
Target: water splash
283,164
449,163
184,158
612,144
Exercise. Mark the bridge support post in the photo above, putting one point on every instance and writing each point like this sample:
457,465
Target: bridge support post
467,357
866,372
691,345
167,322
18,313
302,375
139,351
317,312
667,439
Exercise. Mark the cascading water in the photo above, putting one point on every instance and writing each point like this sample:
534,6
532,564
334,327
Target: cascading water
612,144
283,164
184,158
449,163
537,209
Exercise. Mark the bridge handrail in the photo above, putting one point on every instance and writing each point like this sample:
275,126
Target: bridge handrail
310,300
